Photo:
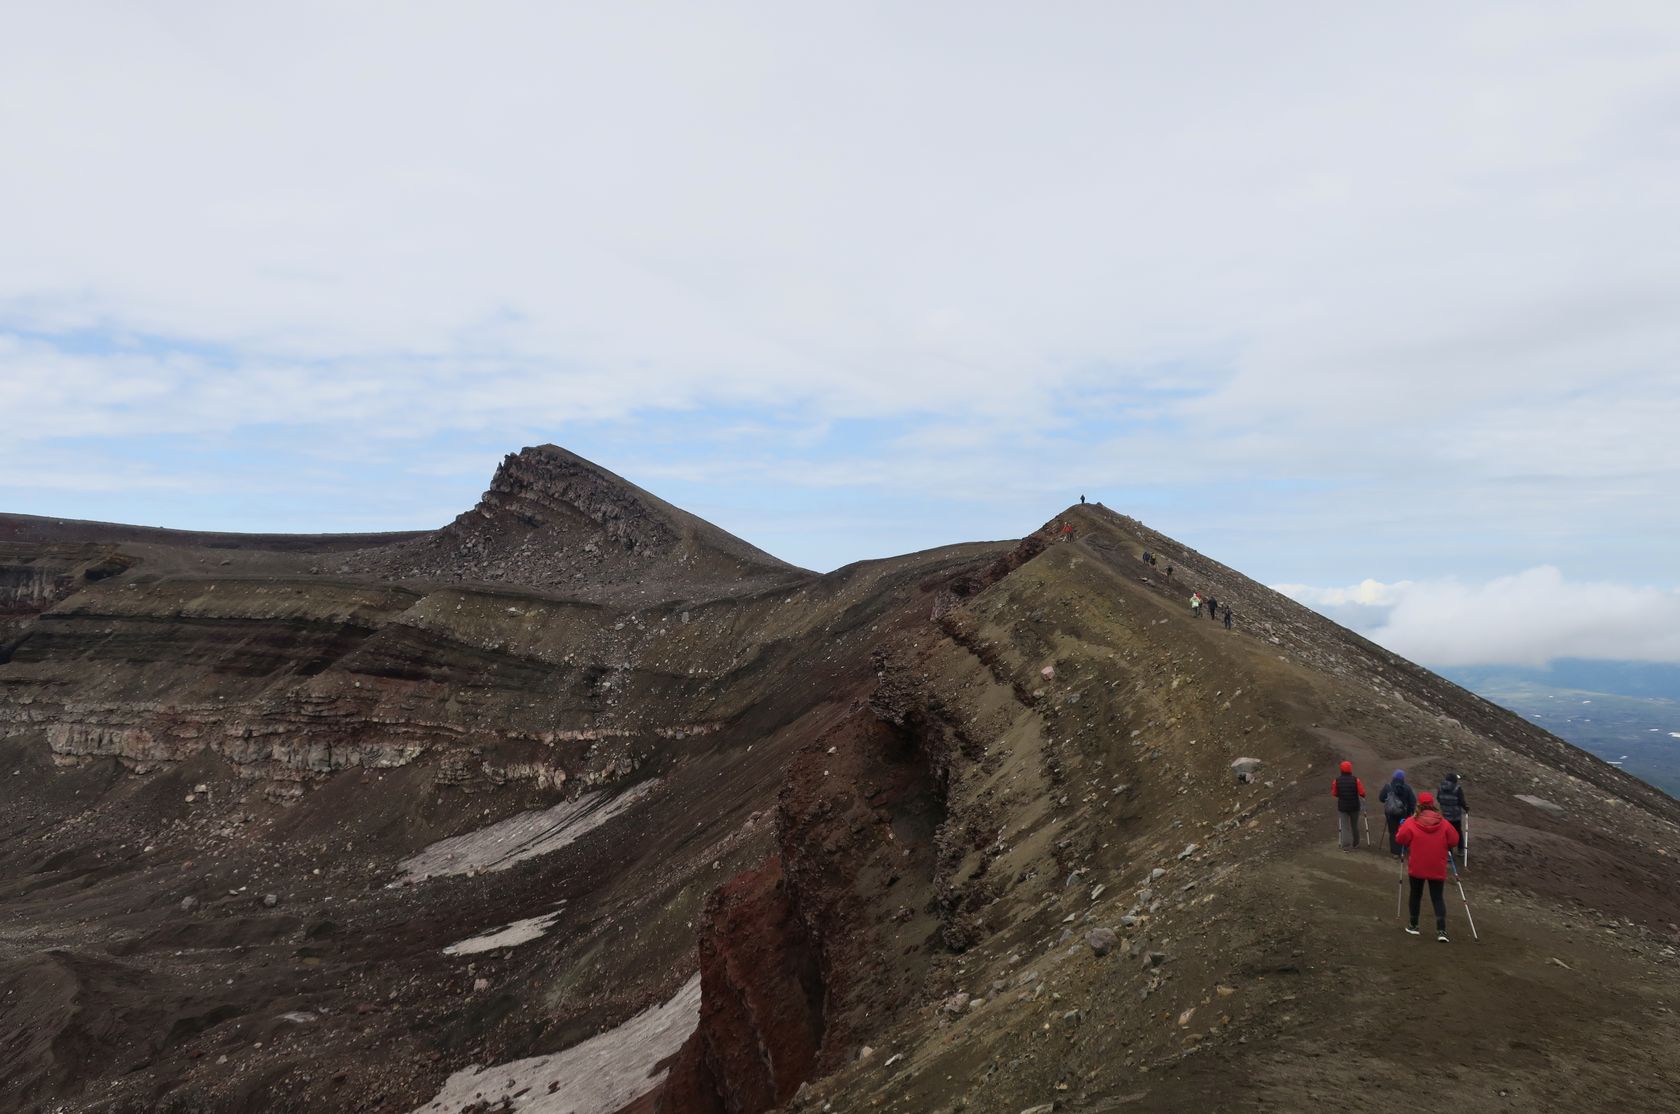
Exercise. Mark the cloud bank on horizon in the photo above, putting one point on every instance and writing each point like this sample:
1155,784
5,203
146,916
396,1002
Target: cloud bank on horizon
1531,618
1326,293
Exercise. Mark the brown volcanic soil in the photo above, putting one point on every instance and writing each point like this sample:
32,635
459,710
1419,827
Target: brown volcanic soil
846,798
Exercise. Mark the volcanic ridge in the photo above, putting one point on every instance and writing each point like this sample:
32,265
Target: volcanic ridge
581,805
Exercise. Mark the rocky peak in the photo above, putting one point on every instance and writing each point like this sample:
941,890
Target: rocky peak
546,487
554,521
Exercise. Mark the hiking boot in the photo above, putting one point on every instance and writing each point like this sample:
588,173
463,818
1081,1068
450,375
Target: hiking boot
1441,935
1412,930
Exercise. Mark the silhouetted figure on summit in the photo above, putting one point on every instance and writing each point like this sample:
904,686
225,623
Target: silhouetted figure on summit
1082,500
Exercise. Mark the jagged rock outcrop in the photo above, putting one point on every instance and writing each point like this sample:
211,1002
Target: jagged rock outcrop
762,1002
554,521
35,577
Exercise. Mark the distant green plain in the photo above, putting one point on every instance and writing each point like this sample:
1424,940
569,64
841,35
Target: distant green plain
1641,734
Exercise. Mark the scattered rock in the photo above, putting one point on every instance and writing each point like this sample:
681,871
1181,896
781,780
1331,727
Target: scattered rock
188,904
1541,803
1246,768
1156,873
1101,940
955,1004
481,984
1190,849
1184,1018
1155,959
270,900
1225,991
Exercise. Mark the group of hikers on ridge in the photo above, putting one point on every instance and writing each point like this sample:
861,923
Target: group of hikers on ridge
1424,831
1199,603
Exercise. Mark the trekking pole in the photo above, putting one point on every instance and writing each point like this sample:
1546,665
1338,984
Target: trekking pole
1467,841
1365,816
1460,881
1400,886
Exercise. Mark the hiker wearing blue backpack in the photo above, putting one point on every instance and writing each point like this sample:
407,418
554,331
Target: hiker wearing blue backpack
1399,801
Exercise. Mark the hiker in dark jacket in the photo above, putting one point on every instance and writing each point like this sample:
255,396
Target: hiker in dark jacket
1450,796
1349,792
1227,616
1212,607
1429,839
1399,802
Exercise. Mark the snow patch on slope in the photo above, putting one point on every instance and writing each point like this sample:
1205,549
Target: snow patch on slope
508,936
520,837
598,1076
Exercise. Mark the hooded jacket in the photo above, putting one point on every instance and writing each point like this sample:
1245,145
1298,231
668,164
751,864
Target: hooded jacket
1428,837
1399,791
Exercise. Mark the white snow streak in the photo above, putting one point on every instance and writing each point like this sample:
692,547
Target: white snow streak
599,1076
520,837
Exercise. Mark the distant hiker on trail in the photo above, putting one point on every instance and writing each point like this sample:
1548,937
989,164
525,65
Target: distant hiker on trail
1349,792
1399,802
1169,572
1212,608
1082,500
1428,839
1196,604
1453,805
1227,616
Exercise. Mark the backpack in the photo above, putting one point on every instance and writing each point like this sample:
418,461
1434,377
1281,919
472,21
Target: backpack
1395,804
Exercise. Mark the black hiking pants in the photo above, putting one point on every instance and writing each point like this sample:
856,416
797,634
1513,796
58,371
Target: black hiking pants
1437,897
1394,823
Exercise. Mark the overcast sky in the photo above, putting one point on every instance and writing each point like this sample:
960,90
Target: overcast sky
1333,293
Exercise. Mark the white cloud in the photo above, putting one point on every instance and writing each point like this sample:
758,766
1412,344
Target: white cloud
1268,253
1367,593
1530,618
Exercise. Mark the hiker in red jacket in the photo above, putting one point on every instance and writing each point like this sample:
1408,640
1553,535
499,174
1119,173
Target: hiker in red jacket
1349,792
1428,838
